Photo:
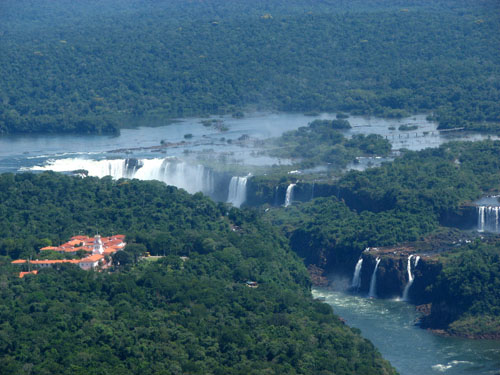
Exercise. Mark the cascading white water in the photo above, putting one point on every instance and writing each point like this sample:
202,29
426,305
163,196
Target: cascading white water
487,219
410,279
373,282
192,178
237,193
417,258
289,195
356,278
480,219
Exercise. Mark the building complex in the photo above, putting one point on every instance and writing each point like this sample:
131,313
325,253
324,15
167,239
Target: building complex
97,248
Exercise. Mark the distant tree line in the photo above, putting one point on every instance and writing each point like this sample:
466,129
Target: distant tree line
188,59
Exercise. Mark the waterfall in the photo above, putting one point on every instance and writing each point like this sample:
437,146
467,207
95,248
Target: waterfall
289,195
190,177
410,278
417,258
480,218
487,219
373,282
237,194
356,278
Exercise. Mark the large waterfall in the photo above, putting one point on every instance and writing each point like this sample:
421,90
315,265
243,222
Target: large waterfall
356,278
373,282
487,219
193,178
289,195
237,194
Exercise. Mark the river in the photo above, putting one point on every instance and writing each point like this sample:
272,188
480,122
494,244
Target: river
390,326
207,144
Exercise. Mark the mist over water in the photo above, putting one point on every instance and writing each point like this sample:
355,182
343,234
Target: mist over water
190,177
209,145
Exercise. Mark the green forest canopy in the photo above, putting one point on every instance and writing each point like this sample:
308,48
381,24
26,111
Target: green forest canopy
397,202
80,67
170,316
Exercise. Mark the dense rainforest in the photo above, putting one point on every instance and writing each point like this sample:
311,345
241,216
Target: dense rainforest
466,295
169,315
88,67
396,202
403,201
94,67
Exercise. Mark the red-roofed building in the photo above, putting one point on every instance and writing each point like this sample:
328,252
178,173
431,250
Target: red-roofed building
80,238
99,247
90,244
49,248
91,262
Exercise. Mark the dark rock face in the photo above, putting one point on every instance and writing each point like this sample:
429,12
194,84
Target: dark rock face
425,274
273,193
392,276
299,241
259,193
132,165
441,315
464,218
221,186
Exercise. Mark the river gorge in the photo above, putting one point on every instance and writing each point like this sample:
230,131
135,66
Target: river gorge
226,165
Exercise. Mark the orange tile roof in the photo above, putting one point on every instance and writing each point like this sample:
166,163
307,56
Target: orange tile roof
111,250
49,248
114,242
22,274
54,261
111,245
92,258
81,238
84,248
73,243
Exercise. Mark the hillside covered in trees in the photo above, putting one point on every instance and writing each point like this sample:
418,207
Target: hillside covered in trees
404,201
87,67
396,202
466,297
193,315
